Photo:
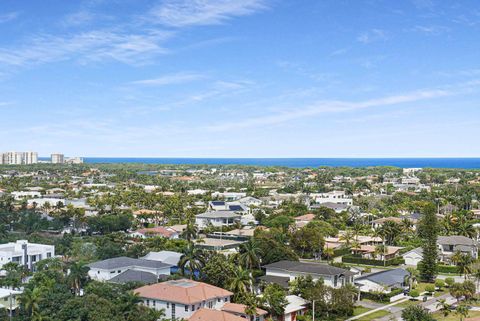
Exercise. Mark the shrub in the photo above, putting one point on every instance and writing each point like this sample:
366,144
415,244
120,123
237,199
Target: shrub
414,294
380,296
430,288
439,283
450,281
357,259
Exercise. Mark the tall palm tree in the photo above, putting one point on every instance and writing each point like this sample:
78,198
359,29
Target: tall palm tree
78,275
192,260
412,278
191,231
30,300
328,253
240,282
444,307
250,254
347,237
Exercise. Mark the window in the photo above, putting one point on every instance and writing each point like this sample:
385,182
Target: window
186,308
210,304
148,302
119,271
168,305
49,254
98,272
225,300
218,300
154,302
173,311
193,307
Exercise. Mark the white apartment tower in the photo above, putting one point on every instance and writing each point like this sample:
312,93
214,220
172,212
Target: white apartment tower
57,158
30,158
13,158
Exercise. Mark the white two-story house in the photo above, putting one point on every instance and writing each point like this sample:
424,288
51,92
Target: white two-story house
217,218
290,270
116,267
181,298
24,253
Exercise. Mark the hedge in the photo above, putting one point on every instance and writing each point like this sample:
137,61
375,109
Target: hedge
444,268
342,251
380,297
359,260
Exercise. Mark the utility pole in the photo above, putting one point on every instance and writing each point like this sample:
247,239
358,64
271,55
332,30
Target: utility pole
10,314
313,310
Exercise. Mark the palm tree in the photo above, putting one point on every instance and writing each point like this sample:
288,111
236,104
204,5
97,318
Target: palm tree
445,308
77,276
462,311
328,253
347,237
30,300
191,231
240,282
412,278
193,259
465,264
250,254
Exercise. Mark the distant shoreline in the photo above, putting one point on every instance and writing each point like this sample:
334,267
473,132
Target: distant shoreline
465,163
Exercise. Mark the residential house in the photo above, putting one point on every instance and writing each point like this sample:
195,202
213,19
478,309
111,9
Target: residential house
371,252
337,197
448,245
239,310
290,270
301,221
413,257
8,299
180,299
203,314
217,219
161,231
296,306
383,281
24,253
110,268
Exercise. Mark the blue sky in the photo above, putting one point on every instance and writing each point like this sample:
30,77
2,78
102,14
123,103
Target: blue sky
249,78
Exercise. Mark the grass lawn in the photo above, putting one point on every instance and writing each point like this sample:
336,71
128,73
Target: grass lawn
360,310
374,315
407,303
453,316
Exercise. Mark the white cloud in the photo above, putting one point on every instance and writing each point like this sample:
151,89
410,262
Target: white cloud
6,17
431,30
330,107
181,13
171,79
373,35
97,45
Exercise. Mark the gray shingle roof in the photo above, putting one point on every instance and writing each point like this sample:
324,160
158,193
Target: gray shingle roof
218,214
284,282
311,268
135,276
388,277
122,262
455,240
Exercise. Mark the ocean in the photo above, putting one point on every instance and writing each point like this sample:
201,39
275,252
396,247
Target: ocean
467,163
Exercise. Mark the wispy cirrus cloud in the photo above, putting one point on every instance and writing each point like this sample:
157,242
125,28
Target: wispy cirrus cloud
96,45
336,106
431,30
171,79
6,17
374,35
183,13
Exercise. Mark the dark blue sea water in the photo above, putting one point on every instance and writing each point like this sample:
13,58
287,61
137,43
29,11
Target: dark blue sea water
469,163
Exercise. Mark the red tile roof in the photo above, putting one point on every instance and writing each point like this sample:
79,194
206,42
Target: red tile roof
214,315
182,291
